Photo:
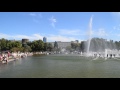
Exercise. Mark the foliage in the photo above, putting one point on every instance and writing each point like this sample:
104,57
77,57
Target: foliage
49,47
96,44
55,45
75,46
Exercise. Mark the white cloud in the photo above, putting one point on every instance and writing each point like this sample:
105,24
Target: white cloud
102,32
18,37
36,17
21,36
38,36
116,13
60,38
31,37
53,21
116,27
5,36
98,33
32,14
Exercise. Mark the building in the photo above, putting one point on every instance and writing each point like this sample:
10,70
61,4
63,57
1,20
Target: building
44,39
24,41
61,44
76,41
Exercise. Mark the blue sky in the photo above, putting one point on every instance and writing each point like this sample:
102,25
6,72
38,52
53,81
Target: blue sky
59,26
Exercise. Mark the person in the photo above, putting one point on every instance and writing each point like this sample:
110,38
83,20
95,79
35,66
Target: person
5,58
110,56
99,55
8,54
0,57
107,55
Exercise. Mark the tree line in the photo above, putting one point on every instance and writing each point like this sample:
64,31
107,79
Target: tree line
31,46
96,44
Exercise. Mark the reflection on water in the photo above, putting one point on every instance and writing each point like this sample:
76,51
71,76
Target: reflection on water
56,66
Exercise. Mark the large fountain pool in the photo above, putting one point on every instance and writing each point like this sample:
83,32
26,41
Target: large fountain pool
61,66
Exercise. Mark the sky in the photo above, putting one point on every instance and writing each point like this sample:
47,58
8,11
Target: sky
59,26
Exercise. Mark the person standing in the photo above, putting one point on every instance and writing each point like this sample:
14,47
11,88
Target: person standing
0,57
8,55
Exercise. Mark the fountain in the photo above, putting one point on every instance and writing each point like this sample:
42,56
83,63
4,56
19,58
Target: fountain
89,33
100,52
97,48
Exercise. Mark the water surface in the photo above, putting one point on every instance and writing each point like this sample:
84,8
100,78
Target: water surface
60,66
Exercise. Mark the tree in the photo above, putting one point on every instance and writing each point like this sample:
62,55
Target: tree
3,44
37,45
45,46
40,45
14,49
83,46
49,47
75,46
55,44
27,49
68,48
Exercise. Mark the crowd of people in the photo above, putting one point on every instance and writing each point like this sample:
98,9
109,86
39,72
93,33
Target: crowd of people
4,56
7,56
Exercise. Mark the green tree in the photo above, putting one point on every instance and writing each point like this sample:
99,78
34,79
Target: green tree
49,47
40,45
3,44
55,45
83,46
75,46
27,49
68,48
37,45
45,46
